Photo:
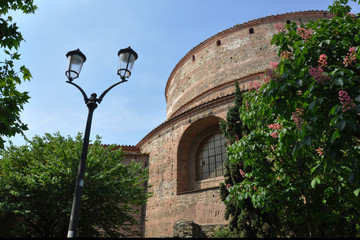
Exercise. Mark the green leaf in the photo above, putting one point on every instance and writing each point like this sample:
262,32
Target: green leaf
327,41
307,140
313,119
340,81
351,177
335,135
341,72
357,99
314,182
304,50
312,105
332,111
341,125
254,198
314,168
356,192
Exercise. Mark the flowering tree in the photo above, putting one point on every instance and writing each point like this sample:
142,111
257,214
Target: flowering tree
303,140
247,221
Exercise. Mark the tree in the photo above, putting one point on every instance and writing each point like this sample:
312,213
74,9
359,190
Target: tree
247,221
232,130
303,141
11,100
36,189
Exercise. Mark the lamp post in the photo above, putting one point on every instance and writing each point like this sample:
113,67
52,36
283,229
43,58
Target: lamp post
76,59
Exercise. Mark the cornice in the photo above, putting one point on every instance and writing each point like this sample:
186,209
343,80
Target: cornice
126,148
215,89
195,110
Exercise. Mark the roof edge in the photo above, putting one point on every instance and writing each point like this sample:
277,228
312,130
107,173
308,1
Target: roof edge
227,98
126,148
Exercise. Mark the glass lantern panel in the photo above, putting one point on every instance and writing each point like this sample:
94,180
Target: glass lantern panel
75,64
126,63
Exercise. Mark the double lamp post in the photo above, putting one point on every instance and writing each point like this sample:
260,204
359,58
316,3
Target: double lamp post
76,59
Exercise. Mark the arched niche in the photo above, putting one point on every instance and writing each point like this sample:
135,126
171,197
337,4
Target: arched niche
187,149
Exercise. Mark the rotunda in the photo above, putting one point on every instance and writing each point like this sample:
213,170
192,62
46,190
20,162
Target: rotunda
185,153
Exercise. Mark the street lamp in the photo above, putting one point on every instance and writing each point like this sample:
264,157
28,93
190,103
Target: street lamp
76,59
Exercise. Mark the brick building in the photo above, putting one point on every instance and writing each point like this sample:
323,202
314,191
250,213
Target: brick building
185,153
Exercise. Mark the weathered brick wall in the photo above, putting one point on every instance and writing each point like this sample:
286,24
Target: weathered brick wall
167,204
239,55
198,94
132,153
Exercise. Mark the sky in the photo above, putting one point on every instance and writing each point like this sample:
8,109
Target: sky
162,32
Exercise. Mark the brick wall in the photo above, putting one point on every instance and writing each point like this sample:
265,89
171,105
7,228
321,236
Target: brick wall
233,54
133,153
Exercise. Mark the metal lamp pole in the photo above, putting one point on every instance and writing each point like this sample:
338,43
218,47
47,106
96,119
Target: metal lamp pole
76,58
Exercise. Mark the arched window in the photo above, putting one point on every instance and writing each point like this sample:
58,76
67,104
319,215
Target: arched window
202,138
210,157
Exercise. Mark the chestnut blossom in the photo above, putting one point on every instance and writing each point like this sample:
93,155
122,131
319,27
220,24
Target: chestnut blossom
265,78
318,74
274,134
242,173
346,101
304,33
322,60
275,127
296,116
268,75
320,151
279,27
254,85
350,57
286,54
274,65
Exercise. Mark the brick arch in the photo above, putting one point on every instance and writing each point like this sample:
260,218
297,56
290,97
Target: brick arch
186,155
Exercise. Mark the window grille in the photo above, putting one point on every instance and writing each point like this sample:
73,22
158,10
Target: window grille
210,157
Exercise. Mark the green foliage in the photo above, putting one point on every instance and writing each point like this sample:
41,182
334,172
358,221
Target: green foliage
224,232
232,130
246,221
303,140
11,100
37,185
232,127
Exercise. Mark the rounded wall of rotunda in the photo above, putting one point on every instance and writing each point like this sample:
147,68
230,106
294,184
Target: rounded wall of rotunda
240,54
199,92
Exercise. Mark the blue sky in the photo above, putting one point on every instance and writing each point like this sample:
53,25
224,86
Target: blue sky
160,31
